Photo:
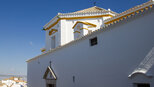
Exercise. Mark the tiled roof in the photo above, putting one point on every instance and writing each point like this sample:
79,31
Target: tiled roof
19,81
145,65
85,13
128,13
11,78
93,9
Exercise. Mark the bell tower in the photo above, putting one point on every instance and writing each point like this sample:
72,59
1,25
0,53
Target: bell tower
66,27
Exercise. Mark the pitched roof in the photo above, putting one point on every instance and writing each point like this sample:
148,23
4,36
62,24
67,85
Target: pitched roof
94,9
49,70
92,12
145,65
128,13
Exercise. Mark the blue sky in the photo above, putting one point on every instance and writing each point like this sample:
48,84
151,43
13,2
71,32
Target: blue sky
21,23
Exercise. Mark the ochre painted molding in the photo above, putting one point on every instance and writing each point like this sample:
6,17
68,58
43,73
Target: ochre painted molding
84,28
128,15
43,50
71,18
76,31
119,18
52,25
52,31
86,23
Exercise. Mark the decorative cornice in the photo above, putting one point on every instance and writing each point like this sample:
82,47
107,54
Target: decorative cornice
84,28
54,22
128,13
52,31
76,31
86,14
86,23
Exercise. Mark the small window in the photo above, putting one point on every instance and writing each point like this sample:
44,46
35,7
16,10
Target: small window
142,85
50,85
93,41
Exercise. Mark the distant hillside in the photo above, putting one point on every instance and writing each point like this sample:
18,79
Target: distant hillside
24,77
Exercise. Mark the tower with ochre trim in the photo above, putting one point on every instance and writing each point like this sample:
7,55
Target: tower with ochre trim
66,27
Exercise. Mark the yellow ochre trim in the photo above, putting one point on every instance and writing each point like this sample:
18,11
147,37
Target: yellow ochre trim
84,28
52,31
42,50
77,32
90,26
52,25
119,18
128,15
86,23
71,18
85,17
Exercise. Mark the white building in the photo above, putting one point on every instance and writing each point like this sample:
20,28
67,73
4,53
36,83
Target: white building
95,47
13,82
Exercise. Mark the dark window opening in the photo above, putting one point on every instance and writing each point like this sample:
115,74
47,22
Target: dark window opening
142,85
93,41
51,85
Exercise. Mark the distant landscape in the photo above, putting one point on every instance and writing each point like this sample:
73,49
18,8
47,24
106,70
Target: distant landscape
24,77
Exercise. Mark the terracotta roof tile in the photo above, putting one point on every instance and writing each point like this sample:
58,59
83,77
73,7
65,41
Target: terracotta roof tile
93,9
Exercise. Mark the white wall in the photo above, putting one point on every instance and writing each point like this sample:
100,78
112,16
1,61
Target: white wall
65,32
57,36
119,51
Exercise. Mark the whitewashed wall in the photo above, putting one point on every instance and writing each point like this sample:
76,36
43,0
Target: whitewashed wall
119,51
48,37
76,34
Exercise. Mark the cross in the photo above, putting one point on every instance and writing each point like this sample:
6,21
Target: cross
94,3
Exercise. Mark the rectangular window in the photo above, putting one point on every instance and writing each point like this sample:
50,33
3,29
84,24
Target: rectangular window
142,85
93,41
53,42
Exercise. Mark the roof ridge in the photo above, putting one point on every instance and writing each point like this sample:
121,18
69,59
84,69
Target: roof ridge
90,9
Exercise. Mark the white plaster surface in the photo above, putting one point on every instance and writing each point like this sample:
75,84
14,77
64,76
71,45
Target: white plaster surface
119,51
